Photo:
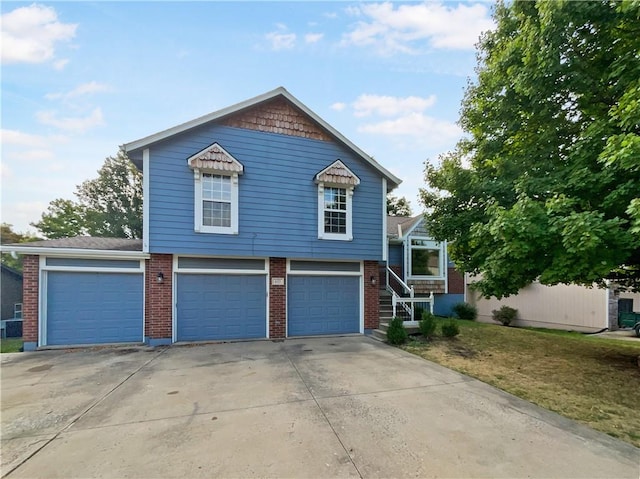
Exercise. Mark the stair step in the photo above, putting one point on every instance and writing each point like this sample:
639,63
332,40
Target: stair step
379,335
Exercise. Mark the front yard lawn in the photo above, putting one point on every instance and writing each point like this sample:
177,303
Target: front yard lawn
590,379
10,345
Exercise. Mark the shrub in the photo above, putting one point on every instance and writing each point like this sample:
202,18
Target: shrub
450,329
465,311
428,324
505,315
396,334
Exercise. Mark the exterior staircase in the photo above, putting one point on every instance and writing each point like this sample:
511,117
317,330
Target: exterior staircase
386,314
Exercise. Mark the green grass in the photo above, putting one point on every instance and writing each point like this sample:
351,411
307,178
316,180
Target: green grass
10,345
587,378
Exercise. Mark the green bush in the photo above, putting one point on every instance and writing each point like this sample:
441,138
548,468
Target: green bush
428,324
465,311
505,315
396,334
450,329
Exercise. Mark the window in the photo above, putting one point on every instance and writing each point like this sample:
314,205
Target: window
215,174
335,210
17,311
335,191
426,258
216,200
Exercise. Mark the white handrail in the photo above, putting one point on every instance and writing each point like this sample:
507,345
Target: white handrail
408,288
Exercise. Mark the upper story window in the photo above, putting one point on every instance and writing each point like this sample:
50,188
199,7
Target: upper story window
335,194
335,210
426,258
216,200
216,206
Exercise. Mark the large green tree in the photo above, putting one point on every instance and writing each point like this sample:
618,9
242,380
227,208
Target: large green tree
545,184
107,206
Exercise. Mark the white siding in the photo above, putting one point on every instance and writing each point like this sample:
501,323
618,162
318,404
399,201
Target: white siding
567,307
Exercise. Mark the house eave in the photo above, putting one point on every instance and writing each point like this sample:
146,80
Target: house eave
74,252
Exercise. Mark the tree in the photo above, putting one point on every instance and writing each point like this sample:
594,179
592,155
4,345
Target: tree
107,206
398,206
7,235
545,184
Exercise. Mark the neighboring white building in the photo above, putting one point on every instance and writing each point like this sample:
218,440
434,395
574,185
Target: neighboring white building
569,307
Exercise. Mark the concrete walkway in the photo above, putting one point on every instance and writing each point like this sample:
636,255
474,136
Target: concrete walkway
325,407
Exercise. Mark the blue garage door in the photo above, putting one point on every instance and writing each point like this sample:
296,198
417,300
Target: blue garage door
94,308
323,305
219,307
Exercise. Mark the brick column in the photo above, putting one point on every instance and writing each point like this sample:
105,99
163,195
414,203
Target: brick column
158,300
277,298
371,295
30,304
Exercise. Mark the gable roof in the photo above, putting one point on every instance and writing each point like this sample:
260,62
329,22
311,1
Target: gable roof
399,226
337,174
145,142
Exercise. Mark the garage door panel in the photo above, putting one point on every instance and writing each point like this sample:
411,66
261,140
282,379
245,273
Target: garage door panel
323,305
94,308
220,307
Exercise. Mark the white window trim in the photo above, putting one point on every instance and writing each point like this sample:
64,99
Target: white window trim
434,245
201,228
348,235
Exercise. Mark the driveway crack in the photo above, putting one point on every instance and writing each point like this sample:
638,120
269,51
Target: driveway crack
335,433
83,413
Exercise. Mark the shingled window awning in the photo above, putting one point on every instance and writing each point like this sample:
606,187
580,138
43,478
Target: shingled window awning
337,174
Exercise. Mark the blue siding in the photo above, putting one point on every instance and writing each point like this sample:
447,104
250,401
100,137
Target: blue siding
219,307
93,308
396,255
277,196
444,302
323,305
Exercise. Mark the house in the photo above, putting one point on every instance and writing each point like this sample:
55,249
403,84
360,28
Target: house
260,221
563,306
11,302
419,266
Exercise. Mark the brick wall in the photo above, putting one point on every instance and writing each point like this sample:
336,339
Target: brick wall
371,295
278,116
158,305
30,280
456,281
277,298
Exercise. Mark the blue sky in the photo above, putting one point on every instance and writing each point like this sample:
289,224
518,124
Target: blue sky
81,78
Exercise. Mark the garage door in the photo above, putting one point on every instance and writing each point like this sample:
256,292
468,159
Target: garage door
221,306
323,305
94,308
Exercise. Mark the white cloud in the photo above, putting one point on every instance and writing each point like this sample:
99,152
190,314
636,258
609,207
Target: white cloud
366,105
76,125
313,37
280,39
60,64
30,34
5,172
338,106
414,27
425,129
20,138
36,155
83,89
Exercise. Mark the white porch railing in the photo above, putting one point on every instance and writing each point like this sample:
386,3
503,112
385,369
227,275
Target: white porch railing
408,304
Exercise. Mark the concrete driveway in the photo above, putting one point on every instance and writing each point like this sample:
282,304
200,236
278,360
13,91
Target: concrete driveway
326,407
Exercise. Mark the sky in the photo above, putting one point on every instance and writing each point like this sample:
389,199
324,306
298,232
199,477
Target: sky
79,79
